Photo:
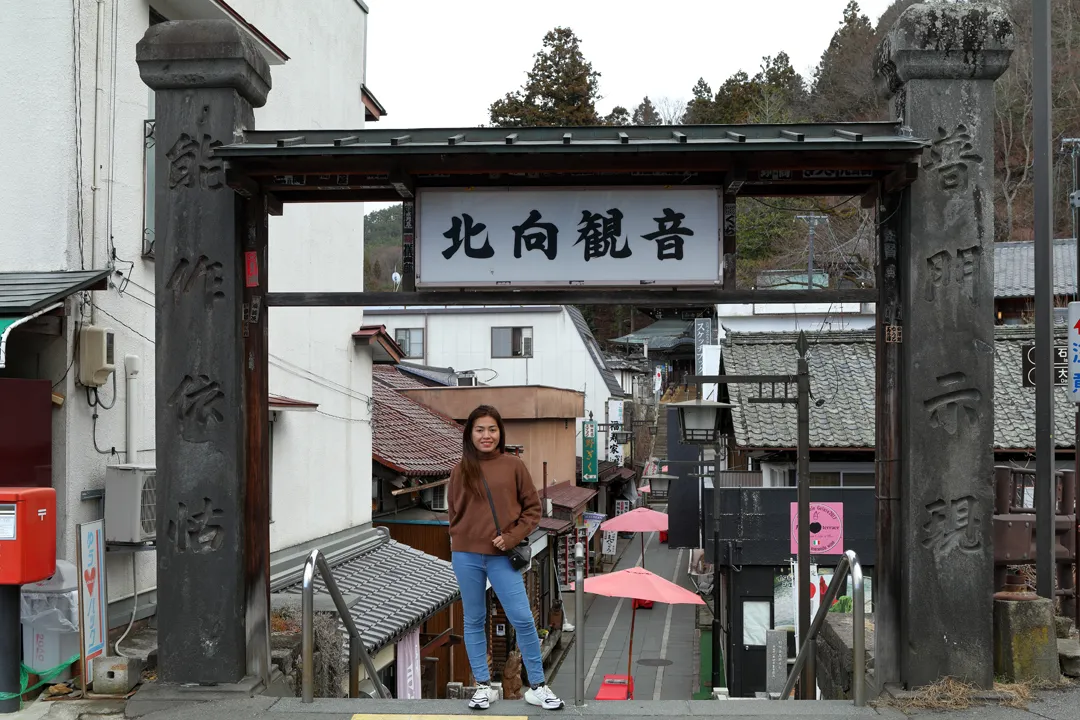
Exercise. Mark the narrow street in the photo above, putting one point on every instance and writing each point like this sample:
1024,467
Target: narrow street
663,660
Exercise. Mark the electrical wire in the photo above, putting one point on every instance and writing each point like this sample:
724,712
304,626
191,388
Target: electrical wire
76,51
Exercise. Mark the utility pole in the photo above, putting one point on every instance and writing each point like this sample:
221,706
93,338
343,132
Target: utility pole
812,220
1074,205
1045,483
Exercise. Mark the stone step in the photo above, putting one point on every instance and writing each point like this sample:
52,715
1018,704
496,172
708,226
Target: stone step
1063,626
1069,657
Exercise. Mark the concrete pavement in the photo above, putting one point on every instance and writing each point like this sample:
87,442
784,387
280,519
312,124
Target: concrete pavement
663,657
1050,705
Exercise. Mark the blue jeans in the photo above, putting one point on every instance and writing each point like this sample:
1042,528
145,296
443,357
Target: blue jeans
472,569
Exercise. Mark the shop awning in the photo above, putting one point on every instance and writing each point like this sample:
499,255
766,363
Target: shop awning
28,295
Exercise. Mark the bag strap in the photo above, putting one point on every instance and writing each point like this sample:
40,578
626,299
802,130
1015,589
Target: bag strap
491,502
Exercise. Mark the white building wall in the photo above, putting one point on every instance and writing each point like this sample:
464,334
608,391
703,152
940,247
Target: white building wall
462,340
51,159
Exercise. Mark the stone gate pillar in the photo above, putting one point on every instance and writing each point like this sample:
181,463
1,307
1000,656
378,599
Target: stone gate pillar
207,77
938,64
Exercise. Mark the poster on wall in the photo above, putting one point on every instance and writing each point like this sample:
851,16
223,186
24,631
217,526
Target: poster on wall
93,628
592,522
408,666
826,528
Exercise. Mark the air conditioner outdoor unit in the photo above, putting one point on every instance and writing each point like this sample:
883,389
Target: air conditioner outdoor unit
130,503
436,498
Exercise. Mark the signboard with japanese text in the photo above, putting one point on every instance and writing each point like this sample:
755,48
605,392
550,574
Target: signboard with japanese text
1073,352
1061,362
615,424
609,542
93,627
589,459
529,237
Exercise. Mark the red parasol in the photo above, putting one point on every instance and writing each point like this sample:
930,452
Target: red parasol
639,583
641,520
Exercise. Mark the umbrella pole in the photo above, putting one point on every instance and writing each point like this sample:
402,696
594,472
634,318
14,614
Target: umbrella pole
630,653
642,550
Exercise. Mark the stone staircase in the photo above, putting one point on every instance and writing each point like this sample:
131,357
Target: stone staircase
660,443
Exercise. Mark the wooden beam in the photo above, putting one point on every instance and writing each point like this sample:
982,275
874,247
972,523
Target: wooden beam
251,240
273,205
729,234
901,177
633,295
418,488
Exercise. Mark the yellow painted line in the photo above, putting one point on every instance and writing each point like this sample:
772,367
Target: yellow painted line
435,717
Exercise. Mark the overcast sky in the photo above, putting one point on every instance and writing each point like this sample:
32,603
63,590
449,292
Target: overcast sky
441,63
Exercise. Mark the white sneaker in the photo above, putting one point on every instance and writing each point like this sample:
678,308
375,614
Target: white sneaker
543,697
482,698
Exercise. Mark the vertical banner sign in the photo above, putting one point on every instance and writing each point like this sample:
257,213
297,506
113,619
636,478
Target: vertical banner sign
702,337
609,542
93,627
622,506
615,423
408,666
589,459
1074,351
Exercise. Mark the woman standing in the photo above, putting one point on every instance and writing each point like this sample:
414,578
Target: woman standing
489,483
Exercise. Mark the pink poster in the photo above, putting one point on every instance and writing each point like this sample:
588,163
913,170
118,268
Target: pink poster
826,528
408,666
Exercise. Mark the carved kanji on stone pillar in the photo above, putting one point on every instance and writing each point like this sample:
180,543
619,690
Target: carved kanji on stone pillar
207,77
939,63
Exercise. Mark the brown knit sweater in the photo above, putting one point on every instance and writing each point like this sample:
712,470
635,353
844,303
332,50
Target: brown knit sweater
471,526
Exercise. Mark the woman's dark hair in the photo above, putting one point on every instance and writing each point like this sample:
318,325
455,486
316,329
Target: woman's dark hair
470,456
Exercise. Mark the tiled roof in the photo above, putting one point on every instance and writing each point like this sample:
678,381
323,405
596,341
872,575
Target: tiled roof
842,374
1014,268
593,349
390,376
390,590
409,437
567,495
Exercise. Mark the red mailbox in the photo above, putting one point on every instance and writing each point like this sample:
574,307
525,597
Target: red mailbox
27,535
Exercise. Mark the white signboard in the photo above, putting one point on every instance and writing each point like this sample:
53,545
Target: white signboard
568,236
710,366
1074,351
615,424
609,542
92,604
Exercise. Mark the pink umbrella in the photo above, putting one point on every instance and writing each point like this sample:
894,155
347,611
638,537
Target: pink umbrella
645,489
639,583
639,520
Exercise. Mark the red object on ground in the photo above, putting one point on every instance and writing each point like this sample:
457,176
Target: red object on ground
616,687
640,519
647,604
663,536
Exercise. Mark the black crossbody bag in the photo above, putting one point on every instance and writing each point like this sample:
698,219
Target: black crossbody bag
520,556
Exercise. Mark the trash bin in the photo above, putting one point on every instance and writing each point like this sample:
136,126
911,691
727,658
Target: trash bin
50,621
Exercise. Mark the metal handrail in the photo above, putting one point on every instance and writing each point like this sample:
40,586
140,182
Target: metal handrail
848,563
357,651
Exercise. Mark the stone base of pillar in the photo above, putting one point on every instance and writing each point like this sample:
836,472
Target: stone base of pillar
1025,644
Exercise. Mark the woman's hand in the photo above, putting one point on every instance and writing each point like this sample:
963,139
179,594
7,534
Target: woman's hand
499,543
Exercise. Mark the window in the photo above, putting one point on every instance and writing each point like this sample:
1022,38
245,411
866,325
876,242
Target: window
757,621
511,342
411,341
